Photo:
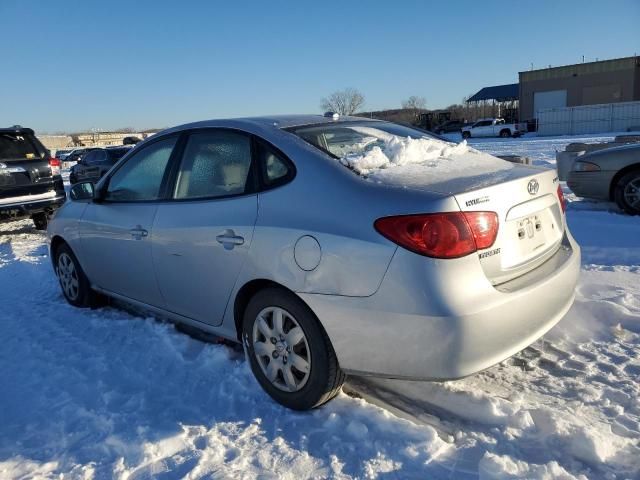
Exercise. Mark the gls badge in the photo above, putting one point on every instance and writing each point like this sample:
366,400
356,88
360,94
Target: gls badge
533,187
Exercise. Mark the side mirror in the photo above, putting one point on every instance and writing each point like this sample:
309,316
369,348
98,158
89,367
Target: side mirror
82,191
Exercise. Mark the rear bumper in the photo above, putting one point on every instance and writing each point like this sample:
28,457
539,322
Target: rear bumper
27,207
591,184
447,322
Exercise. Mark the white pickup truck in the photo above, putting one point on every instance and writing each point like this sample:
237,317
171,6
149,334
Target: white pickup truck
493,127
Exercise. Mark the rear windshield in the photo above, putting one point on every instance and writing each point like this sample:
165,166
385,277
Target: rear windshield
14,146
366,146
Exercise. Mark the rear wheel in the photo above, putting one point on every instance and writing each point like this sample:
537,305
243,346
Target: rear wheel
627,192
505,133
73,281
289,352
466,135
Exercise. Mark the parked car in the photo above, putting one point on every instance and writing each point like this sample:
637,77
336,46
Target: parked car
94,164
260,231
30,181
610,174
493,127
77,154
63,154
450,127
131,140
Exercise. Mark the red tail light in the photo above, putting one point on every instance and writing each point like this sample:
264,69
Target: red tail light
563,202
55,165
441,235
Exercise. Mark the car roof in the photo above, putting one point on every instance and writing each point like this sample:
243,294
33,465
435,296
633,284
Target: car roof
277,121
17,129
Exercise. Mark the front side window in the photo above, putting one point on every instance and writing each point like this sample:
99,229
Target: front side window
215,164
140,178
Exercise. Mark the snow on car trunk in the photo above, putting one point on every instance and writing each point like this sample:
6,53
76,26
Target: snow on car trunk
530,213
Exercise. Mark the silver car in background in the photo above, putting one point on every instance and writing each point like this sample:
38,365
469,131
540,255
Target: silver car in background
609,174
327,246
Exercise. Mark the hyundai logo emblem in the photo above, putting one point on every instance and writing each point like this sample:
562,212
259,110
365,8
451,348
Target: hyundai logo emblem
533,187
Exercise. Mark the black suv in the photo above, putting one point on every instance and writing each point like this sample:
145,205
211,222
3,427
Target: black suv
94,164
30,180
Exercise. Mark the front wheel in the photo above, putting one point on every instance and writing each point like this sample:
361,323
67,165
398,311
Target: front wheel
289,352
627,192
466,135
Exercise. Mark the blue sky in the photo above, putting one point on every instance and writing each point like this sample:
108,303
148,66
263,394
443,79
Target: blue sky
72,65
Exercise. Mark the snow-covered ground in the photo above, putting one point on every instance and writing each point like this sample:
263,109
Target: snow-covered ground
103,393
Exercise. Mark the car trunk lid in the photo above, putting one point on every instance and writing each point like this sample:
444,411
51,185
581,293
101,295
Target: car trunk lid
531,222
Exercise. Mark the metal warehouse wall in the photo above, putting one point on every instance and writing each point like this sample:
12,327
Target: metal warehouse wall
606,81
609,117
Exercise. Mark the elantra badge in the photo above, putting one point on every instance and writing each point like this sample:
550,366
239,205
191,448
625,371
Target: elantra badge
533,187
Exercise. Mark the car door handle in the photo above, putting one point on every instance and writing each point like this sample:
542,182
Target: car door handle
138,232
229,239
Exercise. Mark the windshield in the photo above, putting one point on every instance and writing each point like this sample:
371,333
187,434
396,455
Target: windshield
16,146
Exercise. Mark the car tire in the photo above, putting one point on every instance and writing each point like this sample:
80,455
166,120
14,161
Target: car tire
73,282
297,368
466,135
627,192
505,133
40,220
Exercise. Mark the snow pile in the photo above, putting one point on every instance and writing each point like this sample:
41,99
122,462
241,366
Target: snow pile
496,467
398,151
424,157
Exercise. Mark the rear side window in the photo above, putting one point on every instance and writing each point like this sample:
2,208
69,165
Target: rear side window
275,169
216,163
140,178
17,147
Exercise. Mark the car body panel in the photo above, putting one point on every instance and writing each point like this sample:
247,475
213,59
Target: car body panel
437,323
195,271
113,256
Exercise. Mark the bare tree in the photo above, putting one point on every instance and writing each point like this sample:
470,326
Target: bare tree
344,102
415,103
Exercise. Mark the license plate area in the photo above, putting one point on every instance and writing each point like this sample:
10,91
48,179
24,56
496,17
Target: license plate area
529,237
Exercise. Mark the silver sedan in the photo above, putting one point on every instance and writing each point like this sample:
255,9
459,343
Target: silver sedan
609,174
326,246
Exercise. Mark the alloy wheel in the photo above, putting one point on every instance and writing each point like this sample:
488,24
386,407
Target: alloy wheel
68,276
281,349
632,193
